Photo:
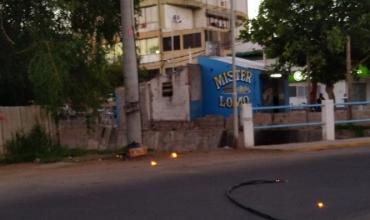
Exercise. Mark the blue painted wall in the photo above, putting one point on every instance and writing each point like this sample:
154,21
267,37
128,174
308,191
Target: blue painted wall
217,86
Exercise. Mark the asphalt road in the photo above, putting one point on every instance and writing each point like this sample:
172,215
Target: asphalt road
193,187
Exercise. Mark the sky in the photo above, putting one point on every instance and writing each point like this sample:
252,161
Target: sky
253,8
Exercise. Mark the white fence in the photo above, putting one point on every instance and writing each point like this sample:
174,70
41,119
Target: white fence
327,122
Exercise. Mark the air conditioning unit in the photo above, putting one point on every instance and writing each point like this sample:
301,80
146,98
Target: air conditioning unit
143,25
223,3
177,19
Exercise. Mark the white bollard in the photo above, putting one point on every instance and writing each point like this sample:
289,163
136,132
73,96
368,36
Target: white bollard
248,127
328,120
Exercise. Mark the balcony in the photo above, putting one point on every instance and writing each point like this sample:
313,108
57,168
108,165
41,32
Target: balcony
150,58
195,4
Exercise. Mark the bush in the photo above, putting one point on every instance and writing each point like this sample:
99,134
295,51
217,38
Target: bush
35,146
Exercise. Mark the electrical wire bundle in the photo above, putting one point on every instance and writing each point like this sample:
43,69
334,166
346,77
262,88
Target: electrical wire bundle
247,208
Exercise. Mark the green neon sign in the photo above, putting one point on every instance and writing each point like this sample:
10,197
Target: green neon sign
362,71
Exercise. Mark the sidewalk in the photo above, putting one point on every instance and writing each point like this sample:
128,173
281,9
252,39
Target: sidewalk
315,146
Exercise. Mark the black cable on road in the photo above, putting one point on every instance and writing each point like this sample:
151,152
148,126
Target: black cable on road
247,208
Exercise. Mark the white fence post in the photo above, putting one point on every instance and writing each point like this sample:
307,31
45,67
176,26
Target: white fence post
248,127
328,120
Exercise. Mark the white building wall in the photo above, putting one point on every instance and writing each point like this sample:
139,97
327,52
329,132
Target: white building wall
200,20
339,92
241,5
185,15
176,107
367,90
150,58
148,20
219,3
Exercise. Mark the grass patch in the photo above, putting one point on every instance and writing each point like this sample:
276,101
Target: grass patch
36,146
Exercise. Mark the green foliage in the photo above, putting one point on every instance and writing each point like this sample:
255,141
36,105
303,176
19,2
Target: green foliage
53,52
115,75
70,77
36,146
301,32
114,72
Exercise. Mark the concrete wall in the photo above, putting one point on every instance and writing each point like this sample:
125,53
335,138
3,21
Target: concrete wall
76,133
202,134
17,119
196,104
199,20
195,79
176,107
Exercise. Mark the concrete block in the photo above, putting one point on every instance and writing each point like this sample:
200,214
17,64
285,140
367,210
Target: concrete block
137,152
183,140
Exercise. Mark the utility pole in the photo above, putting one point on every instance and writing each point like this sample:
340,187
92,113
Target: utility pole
235,94
130,73
349,75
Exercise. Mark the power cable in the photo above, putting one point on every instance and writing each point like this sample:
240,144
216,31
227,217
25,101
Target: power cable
247,208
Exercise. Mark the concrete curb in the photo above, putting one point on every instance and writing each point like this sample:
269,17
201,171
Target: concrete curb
314,146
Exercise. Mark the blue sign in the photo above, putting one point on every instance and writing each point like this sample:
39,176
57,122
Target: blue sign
217,86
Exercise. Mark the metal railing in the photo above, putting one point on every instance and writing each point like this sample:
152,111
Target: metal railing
351,121
302,106
327,122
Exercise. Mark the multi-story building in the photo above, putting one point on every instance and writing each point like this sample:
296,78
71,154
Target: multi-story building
172,33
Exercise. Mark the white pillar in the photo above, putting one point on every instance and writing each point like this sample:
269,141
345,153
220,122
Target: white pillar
248,127
328,120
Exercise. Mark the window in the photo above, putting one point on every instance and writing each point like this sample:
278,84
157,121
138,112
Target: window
167,89
173,70
301,91
292,91
148,18
167,43
148,46
297,91
192,40
217,22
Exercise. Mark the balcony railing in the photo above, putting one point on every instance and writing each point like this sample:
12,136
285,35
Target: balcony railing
149,58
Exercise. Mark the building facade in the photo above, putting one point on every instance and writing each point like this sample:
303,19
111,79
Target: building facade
172,33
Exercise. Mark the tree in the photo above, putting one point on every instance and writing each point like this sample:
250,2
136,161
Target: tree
356,25
54,51
310,34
